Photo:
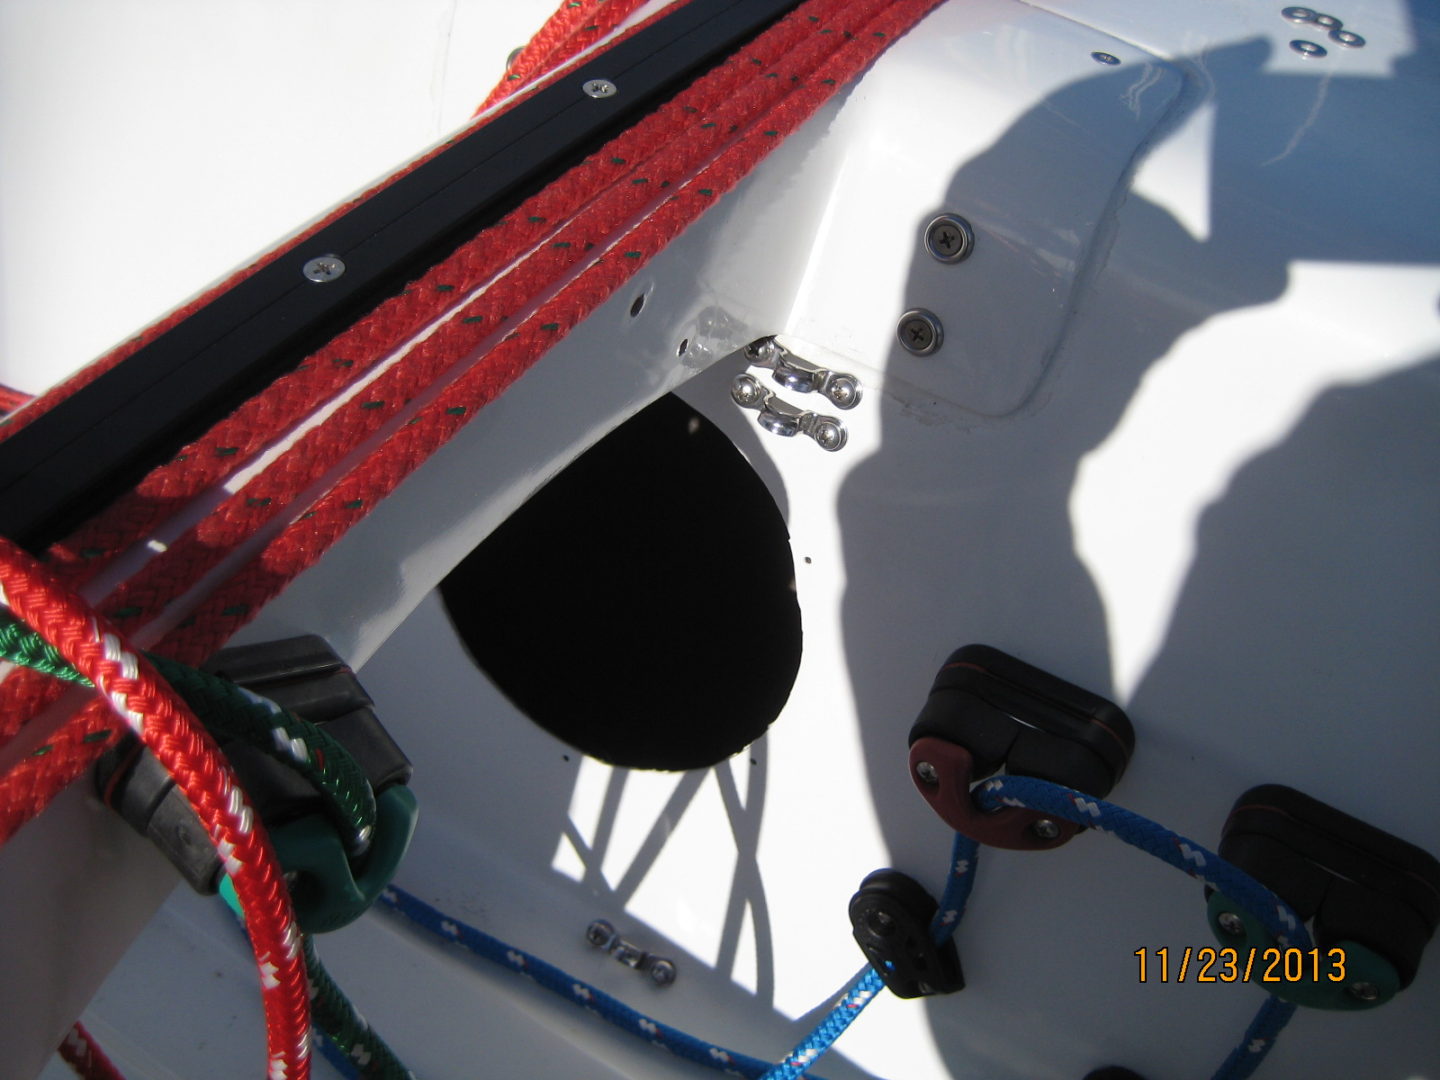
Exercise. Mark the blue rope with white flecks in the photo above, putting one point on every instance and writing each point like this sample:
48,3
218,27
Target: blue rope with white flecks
1053,799
572,989
1183,854
862,991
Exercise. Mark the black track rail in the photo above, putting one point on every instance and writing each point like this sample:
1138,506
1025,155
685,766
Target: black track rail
65,466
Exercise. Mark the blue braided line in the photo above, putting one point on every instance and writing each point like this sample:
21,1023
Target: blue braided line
809,1050
1259,1037
338,1059
1137,831
1183,854
571,989
958,883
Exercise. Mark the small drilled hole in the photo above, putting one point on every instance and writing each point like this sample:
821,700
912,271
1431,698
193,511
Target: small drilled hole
684,344
637,306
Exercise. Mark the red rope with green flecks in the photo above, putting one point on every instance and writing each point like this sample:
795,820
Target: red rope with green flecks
727,141
132,691
236,440
572,29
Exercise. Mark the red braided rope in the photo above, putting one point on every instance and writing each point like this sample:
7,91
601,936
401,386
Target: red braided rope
236,440
84,1055
852,45
11,399
574,27
235,602
156,713
637,167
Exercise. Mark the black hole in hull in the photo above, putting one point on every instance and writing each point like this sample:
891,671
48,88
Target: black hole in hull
641,606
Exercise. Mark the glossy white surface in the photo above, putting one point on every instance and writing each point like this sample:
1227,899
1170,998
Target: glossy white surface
1199,478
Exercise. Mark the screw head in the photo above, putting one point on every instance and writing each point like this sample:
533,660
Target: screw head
662,972
600,88
1046,829
746,391
844,391
949,238
324,268
1299,14
1309,49
927,772
600,933
1346,38
1109,59
829,434
1231,923
920,332
1363,991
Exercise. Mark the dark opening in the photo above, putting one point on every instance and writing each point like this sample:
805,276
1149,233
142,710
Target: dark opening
641,606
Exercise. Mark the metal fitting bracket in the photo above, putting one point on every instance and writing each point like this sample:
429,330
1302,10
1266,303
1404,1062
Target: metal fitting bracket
779,417
795,373
603,935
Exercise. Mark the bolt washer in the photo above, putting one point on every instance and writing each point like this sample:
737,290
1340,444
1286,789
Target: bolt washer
324,268
920,332
600,88
1309,49
949,238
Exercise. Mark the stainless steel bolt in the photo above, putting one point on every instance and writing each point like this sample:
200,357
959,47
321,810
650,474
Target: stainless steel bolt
829,434
927,772
324,268
662,972
1346,38
1231,923
600,933
1309,49
600,88
1109,59
746,391
920,332
844,391
949,238
1364,991
1046,829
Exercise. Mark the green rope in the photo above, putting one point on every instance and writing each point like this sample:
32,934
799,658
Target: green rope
236,714
231,712
21,645
333,1013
